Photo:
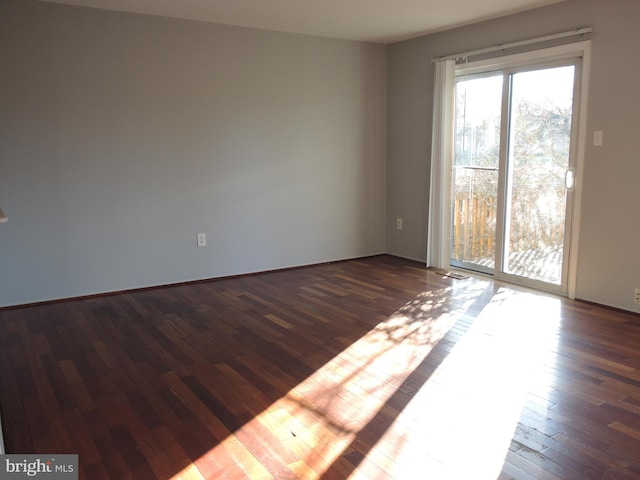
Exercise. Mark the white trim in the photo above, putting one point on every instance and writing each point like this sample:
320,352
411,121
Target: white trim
550,54
437,235
520,43
572,269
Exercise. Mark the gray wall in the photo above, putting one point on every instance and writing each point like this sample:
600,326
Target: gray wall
609,267
122,136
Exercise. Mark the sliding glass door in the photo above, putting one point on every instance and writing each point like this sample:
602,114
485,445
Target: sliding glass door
478,121
512,172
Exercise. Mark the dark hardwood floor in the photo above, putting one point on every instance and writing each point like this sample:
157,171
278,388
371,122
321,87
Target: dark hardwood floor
371,368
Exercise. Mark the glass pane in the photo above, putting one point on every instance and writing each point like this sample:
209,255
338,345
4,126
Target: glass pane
475,172
539,141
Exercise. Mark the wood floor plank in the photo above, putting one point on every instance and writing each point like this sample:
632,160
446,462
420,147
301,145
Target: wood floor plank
370,368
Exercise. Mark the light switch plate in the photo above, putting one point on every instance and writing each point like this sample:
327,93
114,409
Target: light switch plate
597,138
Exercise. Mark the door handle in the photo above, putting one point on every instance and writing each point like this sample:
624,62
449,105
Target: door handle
569,179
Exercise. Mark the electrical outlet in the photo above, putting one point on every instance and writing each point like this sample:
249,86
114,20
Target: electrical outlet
201,240
399,223
636,295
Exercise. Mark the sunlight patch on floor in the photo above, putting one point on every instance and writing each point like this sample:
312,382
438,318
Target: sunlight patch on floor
456,423
464,418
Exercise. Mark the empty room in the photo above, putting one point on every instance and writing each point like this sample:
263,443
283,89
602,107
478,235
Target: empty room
319,240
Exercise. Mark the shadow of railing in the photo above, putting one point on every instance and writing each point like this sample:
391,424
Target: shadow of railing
368,436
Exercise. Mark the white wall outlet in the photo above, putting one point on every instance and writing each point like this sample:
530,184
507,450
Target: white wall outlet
399,223
201,240
636,295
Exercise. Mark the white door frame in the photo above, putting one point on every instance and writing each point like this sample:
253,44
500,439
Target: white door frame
580,50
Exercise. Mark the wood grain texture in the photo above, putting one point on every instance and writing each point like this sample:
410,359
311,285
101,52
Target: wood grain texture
372,368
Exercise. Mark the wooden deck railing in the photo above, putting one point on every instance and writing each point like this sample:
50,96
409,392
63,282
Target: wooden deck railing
474,227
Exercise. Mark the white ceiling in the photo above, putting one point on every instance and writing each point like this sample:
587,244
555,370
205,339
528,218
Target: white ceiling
381,21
